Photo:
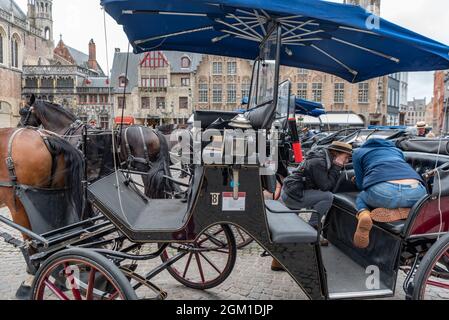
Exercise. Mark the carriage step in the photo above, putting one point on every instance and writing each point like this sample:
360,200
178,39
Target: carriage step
11,240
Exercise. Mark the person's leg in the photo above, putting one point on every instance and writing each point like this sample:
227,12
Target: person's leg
319,201
361,202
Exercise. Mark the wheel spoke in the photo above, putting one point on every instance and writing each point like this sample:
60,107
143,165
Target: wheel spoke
200,267
187,265
210,262
61,295
438,284
68,272
209,236
241,234
113,296
90,285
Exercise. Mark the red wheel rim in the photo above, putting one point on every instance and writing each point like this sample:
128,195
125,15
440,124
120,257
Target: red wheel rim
434,279
75,288
200,267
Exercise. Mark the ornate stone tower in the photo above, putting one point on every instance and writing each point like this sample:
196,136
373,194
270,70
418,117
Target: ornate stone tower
40,14
370,5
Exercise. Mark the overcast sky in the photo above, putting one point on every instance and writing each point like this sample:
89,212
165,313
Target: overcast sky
79,21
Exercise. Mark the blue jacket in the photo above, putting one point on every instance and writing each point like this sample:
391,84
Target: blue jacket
380,161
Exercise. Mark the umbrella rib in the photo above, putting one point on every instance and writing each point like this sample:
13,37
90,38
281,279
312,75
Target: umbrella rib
240,35
297,27
299,36
264,31
139,42
235,28
217,39
286,29
301,40
298,22
357,30
352,71
367,50
247,26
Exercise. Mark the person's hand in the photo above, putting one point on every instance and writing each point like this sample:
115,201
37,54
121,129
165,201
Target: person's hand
353,180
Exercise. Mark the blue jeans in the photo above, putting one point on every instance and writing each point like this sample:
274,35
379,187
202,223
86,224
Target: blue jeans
390,196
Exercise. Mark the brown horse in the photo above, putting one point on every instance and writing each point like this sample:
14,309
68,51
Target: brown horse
54,164
140,148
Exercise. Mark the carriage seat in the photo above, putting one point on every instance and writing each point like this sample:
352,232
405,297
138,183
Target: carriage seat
288,227
346,201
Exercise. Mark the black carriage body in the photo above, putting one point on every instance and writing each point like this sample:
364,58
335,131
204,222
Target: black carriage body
185,221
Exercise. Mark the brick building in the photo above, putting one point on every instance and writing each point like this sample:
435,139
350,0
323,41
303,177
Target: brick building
24,39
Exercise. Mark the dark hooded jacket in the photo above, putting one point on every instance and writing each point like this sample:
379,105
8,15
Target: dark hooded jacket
317,172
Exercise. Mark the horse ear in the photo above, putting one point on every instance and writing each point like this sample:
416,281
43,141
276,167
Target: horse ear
32,100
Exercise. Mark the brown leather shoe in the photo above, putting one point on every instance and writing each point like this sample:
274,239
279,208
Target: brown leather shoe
390,215
361,236
276,266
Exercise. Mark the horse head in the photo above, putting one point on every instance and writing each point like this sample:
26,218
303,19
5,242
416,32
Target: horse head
28,116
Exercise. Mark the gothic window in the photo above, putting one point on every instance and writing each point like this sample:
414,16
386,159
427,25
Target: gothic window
31,83
339,92
203,93
232,68
14,52
246,85
1,47
317,92
47,83
217,68
65,83
185,62
363,92
232,93
154,59
302,91
302,71
217,93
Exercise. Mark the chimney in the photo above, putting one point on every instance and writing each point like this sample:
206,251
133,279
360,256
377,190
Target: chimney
92,55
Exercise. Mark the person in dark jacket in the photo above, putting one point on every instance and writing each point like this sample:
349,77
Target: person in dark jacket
311,185
388,183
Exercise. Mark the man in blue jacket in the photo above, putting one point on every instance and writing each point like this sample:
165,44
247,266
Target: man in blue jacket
388,183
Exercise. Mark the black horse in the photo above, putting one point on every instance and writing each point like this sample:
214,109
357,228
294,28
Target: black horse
138,148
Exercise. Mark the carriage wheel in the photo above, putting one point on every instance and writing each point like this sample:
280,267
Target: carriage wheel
242,239
207,262
80,274
432,278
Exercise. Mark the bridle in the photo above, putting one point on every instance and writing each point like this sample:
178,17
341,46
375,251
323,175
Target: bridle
24,123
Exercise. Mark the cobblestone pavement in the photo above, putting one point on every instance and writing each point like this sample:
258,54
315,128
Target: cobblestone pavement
251,278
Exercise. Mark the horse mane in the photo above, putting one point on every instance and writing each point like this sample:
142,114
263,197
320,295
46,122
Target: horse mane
42,108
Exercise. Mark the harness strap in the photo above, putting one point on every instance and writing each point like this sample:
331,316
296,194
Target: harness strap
145,148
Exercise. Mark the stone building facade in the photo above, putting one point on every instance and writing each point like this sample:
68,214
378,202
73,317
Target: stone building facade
416,111
73,80
441,101
23,41
158,87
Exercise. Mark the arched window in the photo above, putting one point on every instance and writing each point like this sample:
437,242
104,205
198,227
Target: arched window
1,47
47,33
185,62
46,7
15,52
42,7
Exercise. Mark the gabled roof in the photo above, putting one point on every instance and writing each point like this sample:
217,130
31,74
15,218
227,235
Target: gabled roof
6,5
81,59
119,69
175,57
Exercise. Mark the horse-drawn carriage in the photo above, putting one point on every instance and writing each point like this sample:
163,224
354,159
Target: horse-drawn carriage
97,257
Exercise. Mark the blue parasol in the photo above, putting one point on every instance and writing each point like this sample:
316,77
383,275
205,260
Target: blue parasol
343,40
309,108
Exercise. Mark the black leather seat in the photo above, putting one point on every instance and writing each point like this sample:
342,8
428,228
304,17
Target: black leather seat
346,201
207,117
288,227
